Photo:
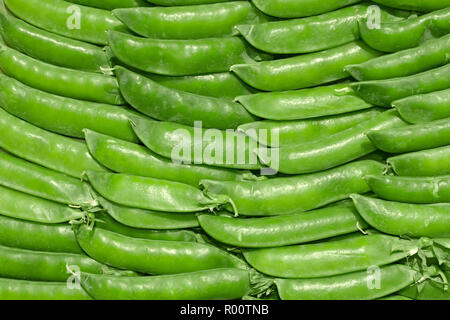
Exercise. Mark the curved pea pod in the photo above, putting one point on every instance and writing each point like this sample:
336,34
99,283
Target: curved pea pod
111,4
37,236
11,289
73,21
178,57
428,290
220,284
363,285
326,259
416,5
424,107
411,189
152,256
330,151
282,230
194,145
384,92
431,54
304,70
150,193
304,104
179,106
397,218
432,162
189,22
394,297
404,34
295,194
57,80
183,2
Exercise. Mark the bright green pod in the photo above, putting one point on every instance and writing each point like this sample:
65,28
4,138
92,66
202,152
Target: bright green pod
111,4
73,21
425,163
304,70
429,290
404,219
169,3
415,5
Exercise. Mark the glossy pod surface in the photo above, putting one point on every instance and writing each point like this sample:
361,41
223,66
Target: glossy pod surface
305,70
77,22
419,5
111,4
404,219
183,2
220,284
287,195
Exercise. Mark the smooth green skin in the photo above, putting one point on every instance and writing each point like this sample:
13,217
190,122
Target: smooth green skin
146,219
52,48
216,284
303,131
152,256
431,54
429,291
304,104
27,177
56,16
189,22
295,194
50,150
223,85
32,290
20,205
409,33
282,230
431,163
412,138
385,92
333,150
394,297
165,138
411,189
178,57
183,2
424,107
111,4
125,157
63,115
352,286
179,106
37,236
300,8
57,80
404,219
416,5
304,70
330,258
150,193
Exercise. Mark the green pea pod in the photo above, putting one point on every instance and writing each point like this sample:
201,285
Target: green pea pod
52,48
432,162
179,106
300,8
330,151
189,22
416,5
304,104
431,54
150,193
11,289
363,285
194,145
428,291
111,4
411,189
304,70
27,177
397,218
178,57
409,33
73,21
424,107
37,236
412,138
282,230
152,256
146,219
295,194
394,297
384,92
57,80
183,2
224,283
325,259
